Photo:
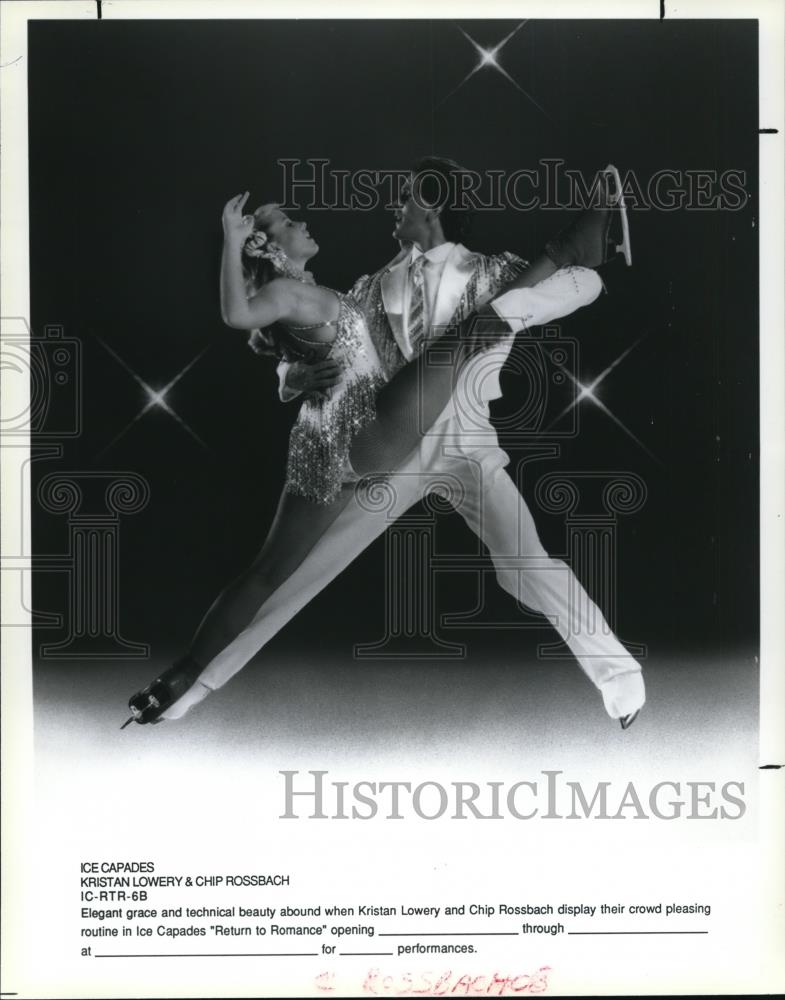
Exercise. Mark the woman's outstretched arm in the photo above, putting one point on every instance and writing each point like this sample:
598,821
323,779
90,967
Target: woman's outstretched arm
237,310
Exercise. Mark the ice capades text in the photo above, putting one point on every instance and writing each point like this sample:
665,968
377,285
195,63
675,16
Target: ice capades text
141,874
310,795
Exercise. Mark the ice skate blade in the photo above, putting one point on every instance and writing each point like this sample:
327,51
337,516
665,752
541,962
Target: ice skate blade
618,202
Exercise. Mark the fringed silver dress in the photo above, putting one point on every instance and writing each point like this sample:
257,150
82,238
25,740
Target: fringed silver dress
319,443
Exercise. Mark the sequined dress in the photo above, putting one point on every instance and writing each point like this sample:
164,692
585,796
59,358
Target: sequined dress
319,443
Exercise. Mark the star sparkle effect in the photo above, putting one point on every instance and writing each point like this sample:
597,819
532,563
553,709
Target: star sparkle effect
589,392
156,398
489,58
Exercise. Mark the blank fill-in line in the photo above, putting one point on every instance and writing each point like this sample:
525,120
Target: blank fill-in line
379,954
451,934
637,932
226,954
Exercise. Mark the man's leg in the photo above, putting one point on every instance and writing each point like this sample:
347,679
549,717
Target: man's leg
417,395
560,294
495,510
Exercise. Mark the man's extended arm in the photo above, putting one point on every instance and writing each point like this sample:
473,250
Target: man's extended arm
297,378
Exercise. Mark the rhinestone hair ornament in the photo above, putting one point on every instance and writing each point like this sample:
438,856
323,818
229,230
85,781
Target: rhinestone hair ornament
259,244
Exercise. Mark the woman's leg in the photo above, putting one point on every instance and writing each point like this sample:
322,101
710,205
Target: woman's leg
412,400
297,527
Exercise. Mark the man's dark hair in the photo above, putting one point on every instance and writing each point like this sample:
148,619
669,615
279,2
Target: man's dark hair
442,183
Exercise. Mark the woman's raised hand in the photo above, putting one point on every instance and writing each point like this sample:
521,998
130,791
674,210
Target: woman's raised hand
237,227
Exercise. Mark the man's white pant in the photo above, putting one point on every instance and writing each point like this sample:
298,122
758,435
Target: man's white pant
470,470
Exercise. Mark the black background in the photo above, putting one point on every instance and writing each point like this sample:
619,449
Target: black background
140,131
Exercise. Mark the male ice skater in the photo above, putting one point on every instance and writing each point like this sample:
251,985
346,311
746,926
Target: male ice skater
436,285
